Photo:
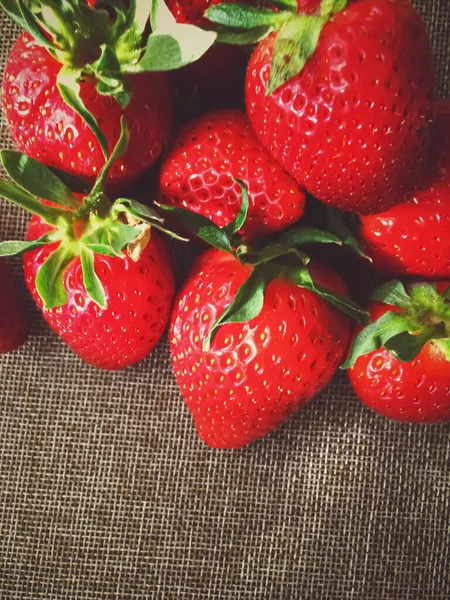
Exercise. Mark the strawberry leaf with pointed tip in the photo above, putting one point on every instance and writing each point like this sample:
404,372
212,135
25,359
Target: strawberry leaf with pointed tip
243,38
291,5
241,217
18,12
308,235
295,43
406,346
69,89
27,201
247,303
200,226
50,277
337,223
328,7
37,179
302,278
393,293
267,254
92,283
14,247
74,183
141,212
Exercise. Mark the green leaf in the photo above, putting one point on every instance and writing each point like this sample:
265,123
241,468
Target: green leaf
329,7
291,5
446,294
247,303
200,226
74,183
444,347
406,346
11,248
25,200
376,335
308,235
393,293
168,51
70,91
302,278
337,223
295,43
268,253
119,149
23,17
92,283
108,237
37,179
243,38
242,16
425,295
241,217
50,277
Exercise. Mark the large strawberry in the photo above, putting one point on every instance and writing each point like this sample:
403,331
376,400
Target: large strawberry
200,171
98,271
400,364
255,332
414,238
13,321
344,100
76,71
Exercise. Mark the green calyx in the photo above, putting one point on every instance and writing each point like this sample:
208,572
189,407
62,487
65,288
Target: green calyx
424,317
78,228
282,258
108,44
297,38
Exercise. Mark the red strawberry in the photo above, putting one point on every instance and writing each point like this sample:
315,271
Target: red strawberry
138,296
353,125
13,322
43,126
211,151
256,374
410,381
413,238
97,270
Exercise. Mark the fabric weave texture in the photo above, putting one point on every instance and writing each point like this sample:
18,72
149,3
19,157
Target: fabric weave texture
106,492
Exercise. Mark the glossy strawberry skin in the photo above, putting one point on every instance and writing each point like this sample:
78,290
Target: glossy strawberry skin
415,392
45,128
256,374
139,296
354,126
413,238
211,151
13,321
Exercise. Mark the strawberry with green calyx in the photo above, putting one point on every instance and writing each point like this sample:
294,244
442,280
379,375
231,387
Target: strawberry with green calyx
13,320
344,100
99,272
208,153
76,71
413,238
399,365
256,331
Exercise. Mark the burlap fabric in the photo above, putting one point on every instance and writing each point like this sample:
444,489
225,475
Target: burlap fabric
106,491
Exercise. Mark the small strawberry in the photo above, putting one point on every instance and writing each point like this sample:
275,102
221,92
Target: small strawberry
413,238
344,100
99,273
76,72
13,321
255,333
211,151
399,365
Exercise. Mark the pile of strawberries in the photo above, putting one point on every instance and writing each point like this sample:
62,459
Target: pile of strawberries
131,127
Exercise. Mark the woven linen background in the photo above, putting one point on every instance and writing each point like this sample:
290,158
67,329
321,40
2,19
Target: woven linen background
106,491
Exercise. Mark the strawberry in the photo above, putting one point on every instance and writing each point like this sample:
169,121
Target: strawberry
400,364
255,333
13,322
413,238
77,71
344,101
206,156
109,305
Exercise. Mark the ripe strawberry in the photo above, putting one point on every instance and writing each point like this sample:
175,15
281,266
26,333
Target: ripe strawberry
77,71
110,306
256,374
345,101
413,238
400,364
256,333
13,322
211,151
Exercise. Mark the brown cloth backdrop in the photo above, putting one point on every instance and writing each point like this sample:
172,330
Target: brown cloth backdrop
106,491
